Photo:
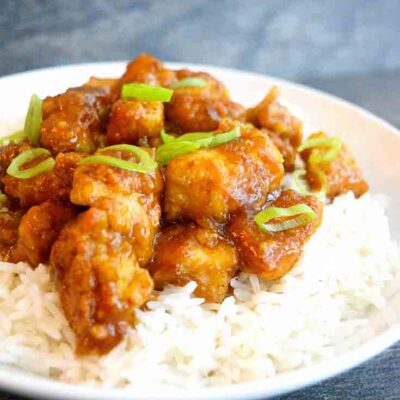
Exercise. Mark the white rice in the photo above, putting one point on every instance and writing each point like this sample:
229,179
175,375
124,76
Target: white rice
315,312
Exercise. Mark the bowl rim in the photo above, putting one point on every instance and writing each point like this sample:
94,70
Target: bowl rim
18,381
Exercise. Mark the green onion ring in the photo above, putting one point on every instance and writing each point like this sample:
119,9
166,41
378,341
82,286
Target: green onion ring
3,197
147,164
165,137
221,138
33,119
168,151
14,137
189,82
333,144
302,212
189,142
144,92
26,156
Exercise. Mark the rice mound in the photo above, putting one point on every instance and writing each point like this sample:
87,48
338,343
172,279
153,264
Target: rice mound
315,312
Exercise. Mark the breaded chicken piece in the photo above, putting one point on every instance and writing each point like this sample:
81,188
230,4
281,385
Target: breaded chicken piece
38,230
271,255
131,200
54,184
342,174
200,109
9,152
134,121
213,182
99,280
185,253
9,222
145,69
285,130
75,120
107,84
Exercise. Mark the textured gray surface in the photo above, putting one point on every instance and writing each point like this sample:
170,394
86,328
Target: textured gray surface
295,39
345,47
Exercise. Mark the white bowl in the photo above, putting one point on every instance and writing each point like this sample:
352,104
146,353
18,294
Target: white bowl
376,145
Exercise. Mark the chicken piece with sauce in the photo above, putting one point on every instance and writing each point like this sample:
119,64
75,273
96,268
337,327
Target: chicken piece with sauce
9,222
185,253
200,108
49,185
75,120
145,69
337,176
135,122
213,182
131,199
38,230
271,255
284,129
99,279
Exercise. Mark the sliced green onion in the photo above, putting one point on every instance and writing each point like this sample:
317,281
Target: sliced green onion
147,164
33,119
302,212
301,188
165,137
14,137
189,82
168,151
332,143
14,168
221,138
142,91
174,147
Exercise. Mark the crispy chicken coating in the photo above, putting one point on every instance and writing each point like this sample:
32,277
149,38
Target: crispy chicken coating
285,130
187,253
75,120
54,184
213,182
145,69
200,109
99,280
9,222
342,174
38,230
107,84
271,255
131,200
134,121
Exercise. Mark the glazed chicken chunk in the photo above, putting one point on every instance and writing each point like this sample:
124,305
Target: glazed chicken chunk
107,84
185,253
135,122
53,184
131,200
75,120
145,69
100,281
9,222
340,175
284,129
200,109
213,182
38,230
271,255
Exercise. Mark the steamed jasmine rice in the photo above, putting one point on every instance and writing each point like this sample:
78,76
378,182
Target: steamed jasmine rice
313,313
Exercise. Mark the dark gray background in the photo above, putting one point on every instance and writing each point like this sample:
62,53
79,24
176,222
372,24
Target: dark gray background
350,48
